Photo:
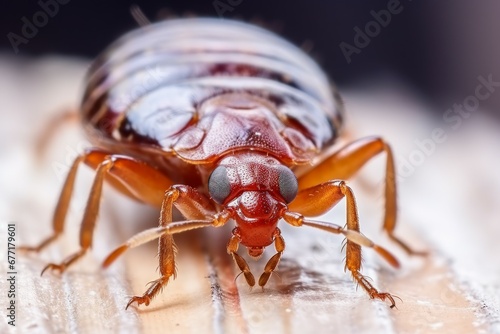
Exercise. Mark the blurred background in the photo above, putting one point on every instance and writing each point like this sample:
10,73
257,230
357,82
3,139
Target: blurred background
439,48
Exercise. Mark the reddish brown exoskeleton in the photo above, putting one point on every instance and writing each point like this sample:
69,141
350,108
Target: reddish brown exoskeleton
238,125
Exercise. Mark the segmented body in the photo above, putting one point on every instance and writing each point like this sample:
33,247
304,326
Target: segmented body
155,95
212,118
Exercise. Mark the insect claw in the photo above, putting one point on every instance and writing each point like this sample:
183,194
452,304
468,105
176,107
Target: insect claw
43,270
140,300
52,266
129,303
398,298
237,276
383,296
394,304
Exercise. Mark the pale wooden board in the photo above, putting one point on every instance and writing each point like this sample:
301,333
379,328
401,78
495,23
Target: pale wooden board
444,208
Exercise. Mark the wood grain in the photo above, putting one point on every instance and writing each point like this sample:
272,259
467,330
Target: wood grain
450,291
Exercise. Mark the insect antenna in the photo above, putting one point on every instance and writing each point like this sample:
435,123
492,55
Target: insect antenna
139,16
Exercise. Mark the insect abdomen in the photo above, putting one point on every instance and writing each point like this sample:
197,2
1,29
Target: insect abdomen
148,86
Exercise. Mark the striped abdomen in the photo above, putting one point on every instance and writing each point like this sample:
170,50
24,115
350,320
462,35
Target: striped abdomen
199,88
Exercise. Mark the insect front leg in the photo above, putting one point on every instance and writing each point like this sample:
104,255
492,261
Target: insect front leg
194,206
344,163
326,196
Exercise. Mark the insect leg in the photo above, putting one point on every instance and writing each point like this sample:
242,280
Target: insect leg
154,233
193,205
326,196
345,162
279,244
133,178
137,187
48,132
60,211
232,248
89,219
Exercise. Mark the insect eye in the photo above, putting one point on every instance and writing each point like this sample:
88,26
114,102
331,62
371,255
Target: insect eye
219,186
288,184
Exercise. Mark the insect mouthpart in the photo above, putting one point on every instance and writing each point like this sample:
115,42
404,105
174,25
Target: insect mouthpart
255,252
256,214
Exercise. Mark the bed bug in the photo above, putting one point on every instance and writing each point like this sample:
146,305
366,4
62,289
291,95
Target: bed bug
239,127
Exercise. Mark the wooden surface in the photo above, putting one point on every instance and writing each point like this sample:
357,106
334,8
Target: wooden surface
448,206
